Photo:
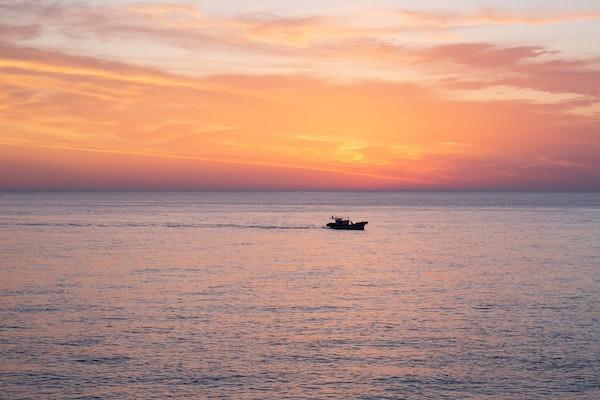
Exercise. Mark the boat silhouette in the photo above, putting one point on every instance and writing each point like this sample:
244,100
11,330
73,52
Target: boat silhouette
346,224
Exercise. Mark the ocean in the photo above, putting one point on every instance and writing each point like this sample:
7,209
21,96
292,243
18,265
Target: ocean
244,295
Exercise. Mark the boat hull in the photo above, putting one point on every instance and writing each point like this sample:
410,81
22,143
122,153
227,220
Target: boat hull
357,226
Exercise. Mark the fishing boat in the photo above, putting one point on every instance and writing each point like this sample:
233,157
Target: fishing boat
345,223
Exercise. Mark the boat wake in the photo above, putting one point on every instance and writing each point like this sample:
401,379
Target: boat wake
157,225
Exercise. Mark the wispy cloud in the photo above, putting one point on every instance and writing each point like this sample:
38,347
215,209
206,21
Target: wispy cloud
491,16
322,45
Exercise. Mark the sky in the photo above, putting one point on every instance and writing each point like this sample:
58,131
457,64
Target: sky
265,94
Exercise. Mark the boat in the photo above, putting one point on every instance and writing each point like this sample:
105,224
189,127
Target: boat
341,223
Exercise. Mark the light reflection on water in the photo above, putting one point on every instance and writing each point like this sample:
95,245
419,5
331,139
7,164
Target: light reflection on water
244,295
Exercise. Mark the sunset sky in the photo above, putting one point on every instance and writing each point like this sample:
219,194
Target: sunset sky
355,94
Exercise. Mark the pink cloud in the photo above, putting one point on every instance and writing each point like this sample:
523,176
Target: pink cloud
18,32
484,54
519,66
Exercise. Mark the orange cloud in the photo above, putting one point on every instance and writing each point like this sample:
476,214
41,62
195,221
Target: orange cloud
81,122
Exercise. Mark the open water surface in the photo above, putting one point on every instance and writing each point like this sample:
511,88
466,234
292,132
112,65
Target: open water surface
245,296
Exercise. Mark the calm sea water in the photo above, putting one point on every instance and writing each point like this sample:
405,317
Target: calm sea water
246,296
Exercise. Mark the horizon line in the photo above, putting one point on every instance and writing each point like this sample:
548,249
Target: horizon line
297,190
